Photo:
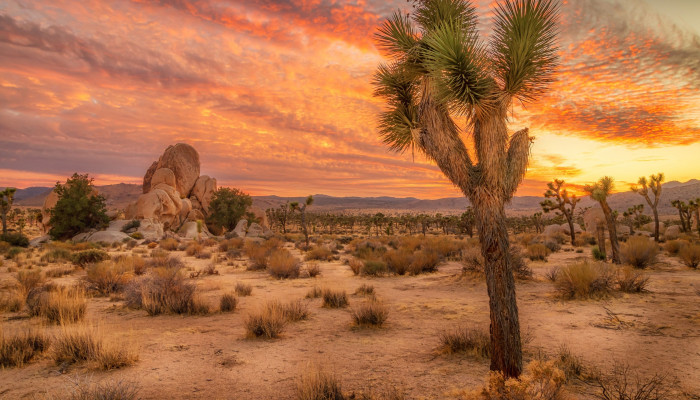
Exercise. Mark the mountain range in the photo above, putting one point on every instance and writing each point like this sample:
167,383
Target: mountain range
119,195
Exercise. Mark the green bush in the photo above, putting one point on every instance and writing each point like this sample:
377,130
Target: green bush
598,255
82,258
133,224
15,239
137,235
78,208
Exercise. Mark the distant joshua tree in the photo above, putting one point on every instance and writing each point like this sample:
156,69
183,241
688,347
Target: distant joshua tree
294,206
684,212
654,183
694,206
442,68
599,192
564,203
634,217
7,197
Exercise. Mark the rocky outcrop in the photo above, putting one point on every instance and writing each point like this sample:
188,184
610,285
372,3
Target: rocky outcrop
241,228
553,230
194,230
592,218
183,160
203,191
672,232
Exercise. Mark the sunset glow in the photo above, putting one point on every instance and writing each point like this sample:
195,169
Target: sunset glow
276,95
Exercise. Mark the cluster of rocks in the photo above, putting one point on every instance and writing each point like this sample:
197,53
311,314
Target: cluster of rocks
173,191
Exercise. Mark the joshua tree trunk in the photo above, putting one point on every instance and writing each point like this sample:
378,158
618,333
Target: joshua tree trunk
506,346
570,219
601,239
612,230
4,224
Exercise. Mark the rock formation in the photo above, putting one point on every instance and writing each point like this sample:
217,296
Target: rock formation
173,191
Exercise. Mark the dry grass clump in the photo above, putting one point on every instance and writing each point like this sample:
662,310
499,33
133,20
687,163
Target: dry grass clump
164,290
243,289
313,269
109,277
356,265
86,343
114,390
542,380
674,246
424,261
11,300
267,323
167,262
373,267
585,280
55,255
316,384
228,302
690,255
283,265
90,256
365,290
314,293
58,272
537,252
623,383
21,348
630,280
370,314
465,339
399,260
444,246
321,253
60,305
571,364
295,310
194,249
169,244
257,254
552,274
473,262
28,280
639,252
334,298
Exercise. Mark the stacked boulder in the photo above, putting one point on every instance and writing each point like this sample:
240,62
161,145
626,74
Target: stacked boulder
173,191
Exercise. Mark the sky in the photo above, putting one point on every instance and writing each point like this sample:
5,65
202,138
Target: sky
276,95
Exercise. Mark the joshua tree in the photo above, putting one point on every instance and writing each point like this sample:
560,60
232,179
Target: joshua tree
599,192
694,205
684,212
441,68
561,200
634,216
7,197
654,183
294,206
466,221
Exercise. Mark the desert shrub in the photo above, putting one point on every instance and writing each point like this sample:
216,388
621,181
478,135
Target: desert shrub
28,280
85,257
169,244
424,261
231,244
639,252
293,311
15,239
569,363
11,300
542,380
398,261
13,253
283,265
113,355
552,245
623,383
58,272
139,236
598,254
674,246
373,267
268,323
164,290
60,305
552,274
334,298
585,280
316,384
85,343
257,254
115,390
444,246
472,260
194,249
21,348
319,253
518,265
365,290
690,255
167,262
227,207
314,293
313,269
631,281
108,277
78,208
228,302
369,250
464,339
243,289
370,313
537,252
56,255
355,265
133,224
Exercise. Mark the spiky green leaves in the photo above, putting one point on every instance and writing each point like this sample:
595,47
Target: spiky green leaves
397,85
396,36
523,47
431,14
458,64
600,190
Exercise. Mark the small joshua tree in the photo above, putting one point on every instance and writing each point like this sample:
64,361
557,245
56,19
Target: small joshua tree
294,206
599,192
694,206
7,197
684,212
653,184
560,200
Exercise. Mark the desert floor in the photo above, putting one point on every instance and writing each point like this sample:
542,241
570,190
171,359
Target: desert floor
210,357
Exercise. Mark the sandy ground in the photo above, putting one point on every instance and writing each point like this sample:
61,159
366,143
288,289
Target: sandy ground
209,357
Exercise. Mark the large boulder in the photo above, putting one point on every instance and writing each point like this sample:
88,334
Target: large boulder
183,160
592,218
151,229
241,228
623,230
164,175
672,232
49,203
553,230
650,228
101,237
566,230
203,191
193,230
255,230
39,240
162,203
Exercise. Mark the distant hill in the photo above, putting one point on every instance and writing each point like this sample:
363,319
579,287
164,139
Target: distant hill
120,195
